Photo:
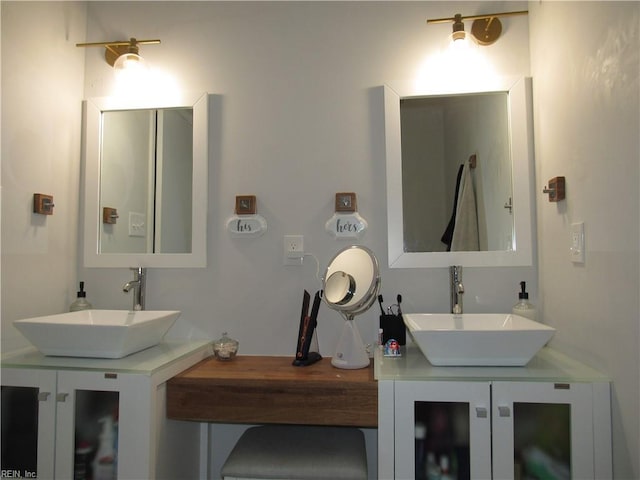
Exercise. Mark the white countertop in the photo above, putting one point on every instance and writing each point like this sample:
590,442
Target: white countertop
145,362
547,366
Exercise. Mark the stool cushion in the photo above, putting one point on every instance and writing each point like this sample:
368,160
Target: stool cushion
298,452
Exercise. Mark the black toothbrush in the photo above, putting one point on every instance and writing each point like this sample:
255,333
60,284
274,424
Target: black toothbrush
380,303
399,299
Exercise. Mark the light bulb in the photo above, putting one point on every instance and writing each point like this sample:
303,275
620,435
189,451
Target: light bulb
129,62
460,44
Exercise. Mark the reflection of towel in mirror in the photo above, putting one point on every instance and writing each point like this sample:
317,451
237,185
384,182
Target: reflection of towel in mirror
465,232
447,236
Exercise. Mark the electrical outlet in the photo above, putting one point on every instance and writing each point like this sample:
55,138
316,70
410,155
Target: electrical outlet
293,249
576,249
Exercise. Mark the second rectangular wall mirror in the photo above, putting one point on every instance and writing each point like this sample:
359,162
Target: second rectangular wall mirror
428,138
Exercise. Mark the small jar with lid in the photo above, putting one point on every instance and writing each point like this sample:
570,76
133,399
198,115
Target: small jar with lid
225,348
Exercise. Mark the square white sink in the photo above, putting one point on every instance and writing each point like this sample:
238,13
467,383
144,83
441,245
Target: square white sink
477,339
97,333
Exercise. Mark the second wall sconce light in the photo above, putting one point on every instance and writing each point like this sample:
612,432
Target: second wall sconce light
485,30
122,54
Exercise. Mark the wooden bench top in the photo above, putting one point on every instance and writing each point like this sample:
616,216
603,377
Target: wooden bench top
266,389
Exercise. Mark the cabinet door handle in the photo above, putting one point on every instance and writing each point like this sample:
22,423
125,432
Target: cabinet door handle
481,412
43,396
62,397
504,411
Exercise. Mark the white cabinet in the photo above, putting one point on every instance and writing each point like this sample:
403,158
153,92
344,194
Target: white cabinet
55,410
550,419
456,419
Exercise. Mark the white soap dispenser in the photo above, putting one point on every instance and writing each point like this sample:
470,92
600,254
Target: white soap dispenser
523,307
81,302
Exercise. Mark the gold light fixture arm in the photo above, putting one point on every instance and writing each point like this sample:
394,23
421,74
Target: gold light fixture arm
115,49
119,43
478,17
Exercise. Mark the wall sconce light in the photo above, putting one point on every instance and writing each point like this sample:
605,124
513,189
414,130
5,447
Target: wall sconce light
458,29
122,55
485,30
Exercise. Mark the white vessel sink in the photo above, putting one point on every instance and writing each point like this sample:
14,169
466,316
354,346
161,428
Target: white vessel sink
474,339
97,333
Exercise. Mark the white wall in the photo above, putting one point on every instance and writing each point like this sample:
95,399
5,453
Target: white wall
584,61
42,75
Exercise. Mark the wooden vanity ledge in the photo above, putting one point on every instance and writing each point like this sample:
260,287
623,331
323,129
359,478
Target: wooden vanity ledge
265,389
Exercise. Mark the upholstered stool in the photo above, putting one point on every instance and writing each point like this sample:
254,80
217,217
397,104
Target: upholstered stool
298,452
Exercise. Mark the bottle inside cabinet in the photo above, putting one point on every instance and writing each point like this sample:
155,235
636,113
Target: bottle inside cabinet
443,432
96,435
542,440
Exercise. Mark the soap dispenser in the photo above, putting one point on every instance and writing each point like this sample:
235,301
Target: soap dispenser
81,302
523,307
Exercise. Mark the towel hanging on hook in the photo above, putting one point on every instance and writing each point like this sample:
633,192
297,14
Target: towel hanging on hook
465,231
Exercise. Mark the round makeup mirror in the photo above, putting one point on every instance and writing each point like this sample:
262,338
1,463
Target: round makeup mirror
339,288
351,284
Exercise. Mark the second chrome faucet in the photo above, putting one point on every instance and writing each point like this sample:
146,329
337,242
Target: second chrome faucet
457,288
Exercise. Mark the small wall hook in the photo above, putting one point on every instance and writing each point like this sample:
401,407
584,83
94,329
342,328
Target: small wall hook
555,190
246,205
43,204
110,215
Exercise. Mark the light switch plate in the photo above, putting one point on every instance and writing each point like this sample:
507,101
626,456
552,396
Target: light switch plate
137,224
576,249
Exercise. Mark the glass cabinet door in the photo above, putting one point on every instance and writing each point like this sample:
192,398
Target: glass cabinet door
96,415
19,431
28,422
442,429
102,426
542,431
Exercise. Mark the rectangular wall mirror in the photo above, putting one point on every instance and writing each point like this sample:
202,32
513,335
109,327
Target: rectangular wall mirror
148,163
428,140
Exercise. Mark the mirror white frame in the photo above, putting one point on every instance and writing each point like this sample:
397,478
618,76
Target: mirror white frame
521,139
92,123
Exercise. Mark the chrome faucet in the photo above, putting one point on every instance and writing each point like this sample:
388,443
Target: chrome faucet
457,288
138,284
